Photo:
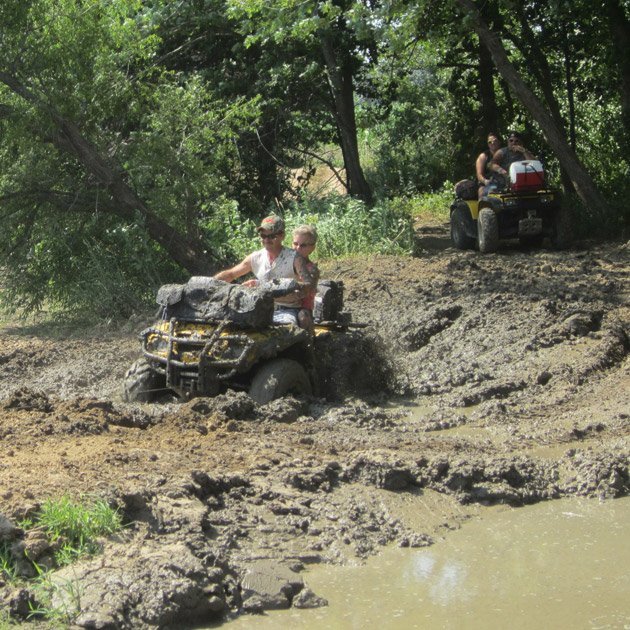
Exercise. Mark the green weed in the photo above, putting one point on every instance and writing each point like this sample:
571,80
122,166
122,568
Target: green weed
345,226
77,526
45,589
7,565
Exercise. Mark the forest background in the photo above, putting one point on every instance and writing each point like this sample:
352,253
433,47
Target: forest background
142,140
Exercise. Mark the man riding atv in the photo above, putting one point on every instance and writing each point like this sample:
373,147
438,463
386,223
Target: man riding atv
517,203
499,164
274,262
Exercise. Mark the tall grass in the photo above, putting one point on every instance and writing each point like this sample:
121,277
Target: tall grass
74,529
433,205
345,226
77,526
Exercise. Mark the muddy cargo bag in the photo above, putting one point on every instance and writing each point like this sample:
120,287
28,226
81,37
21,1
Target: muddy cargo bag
328,301
466,189
207,299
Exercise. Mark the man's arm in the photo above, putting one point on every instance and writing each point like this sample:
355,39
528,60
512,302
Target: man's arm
527,154
495,165
229,275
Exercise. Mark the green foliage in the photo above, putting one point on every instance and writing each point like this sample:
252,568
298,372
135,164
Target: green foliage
7,565
97,267
345,227
66,245
433,204
74,528
348,226
77,526
231,235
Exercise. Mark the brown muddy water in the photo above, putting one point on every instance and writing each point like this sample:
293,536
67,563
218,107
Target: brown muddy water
558,564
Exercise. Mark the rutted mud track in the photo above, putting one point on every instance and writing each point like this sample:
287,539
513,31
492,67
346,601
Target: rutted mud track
518,364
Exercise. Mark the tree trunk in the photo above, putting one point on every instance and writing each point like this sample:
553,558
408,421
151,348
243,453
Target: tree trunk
582,181
487,97
620,31
538,67
184,251
340,81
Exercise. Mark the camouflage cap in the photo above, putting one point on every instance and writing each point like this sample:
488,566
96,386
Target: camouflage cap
272,223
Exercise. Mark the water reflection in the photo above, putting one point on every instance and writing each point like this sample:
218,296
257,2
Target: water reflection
444,582
560,564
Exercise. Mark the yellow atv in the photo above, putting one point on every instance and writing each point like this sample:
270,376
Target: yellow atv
212,336
525,209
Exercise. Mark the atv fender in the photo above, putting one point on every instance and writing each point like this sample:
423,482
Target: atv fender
495,203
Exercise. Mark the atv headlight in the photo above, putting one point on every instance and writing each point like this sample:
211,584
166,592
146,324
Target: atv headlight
546,199
510,202
157,344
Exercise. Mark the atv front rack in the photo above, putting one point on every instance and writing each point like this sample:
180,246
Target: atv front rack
200,357
195,361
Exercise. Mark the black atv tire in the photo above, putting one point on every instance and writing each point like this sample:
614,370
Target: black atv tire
142,383
487,231
562,234
460,239
277,378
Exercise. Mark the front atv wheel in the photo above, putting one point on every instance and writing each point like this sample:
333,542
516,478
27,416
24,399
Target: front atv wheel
277,378
460,239
142,383
487,231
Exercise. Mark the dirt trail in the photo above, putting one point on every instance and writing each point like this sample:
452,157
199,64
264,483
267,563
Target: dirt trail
480,379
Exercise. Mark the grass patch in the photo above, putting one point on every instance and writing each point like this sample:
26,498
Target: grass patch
77,526
346,227
74,529
433,206
7,564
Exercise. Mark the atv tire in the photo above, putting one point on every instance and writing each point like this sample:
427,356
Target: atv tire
487,231
460,239
562,234
142,383
277,378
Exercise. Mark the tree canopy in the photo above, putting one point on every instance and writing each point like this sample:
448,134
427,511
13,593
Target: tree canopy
139,136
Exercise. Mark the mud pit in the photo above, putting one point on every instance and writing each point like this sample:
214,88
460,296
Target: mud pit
481,379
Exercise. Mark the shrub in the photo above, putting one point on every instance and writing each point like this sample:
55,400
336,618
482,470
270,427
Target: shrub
345,227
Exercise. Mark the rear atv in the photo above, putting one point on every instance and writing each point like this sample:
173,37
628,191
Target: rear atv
529,212
213,336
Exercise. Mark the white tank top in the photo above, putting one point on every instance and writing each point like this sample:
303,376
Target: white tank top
281,267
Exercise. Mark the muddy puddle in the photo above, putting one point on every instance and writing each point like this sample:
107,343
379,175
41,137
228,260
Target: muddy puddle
557,564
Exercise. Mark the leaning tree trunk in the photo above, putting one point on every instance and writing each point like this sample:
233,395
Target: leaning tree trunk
582,181
540,69
487,97
340,81
184,251
620,35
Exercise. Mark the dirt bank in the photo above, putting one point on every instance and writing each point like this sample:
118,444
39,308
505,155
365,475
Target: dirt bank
480,379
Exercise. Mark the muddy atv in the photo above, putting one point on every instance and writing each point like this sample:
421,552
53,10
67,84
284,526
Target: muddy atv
526,209
211,336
